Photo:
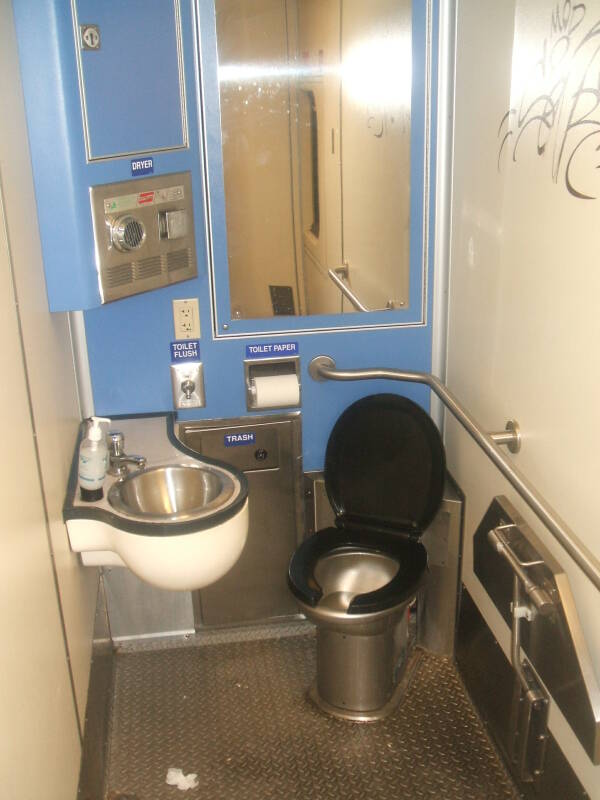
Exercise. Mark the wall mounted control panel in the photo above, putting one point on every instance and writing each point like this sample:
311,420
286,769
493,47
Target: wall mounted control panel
144,234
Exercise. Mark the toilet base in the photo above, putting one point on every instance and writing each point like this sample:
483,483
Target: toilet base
408,672
360,661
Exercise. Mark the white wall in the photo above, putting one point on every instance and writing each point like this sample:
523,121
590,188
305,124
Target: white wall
40,709
524,327
40,737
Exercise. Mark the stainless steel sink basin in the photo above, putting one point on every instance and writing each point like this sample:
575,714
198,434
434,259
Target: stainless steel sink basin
173,493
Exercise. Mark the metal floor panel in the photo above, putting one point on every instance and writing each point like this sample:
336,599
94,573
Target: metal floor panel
235,713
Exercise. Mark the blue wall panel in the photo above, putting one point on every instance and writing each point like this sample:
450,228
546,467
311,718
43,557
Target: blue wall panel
49,74
132,82
128,341
130,367
62,176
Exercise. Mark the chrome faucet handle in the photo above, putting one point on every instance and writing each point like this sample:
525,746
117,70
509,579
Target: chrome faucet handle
118,458
116,443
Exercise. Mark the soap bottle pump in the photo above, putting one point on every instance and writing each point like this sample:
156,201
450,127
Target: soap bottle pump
93,461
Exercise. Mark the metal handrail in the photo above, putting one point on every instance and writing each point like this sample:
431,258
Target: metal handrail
323,368
340,276
347,291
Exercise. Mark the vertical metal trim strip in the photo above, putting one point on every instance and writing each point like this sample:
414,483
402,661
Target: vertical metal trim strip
443,198
81,363
181,64
426,231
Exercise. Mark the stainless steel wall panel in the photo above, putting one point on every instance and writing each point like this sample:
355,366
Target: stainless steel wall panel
256,587
438,601
137,609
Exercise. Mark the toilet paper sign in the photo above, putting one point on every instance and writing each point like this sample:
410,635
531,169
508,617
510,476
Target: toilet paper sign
275,350
185,350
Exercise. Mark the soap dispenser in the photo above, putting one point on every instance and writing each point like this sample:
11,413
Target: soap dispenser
93,461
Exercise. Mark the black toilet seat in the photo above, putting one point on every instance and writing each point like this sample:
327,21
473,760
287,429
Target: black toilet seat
384,475
409,553
385,466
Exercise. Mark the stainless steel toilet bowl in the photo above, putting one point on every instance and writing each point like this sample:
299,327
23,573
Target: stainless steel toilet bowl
359,656
384,475
346,573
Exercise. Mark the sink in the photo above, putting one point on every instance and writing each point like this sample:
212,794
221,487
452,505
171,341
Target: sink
174,493
178,526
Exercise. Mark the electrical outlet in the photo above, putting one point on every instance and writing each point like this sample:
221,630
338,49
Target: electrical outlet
186,318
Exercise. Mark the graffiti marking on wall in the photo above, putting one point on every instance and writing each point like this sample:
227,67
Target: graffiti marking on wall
558,113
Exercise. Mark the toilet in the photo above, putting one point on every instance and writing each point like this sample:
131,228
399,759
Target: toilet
384,476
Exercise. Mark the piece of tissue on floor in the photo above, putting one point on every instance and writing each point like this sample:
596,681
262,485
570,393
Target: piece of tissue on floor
175,777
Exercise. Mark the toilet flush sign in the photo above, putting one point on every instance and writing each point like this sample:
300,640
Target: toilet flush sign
185,350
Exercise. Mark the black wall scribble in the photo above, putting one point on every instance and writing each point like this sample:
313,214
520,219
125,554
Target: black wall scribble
561,101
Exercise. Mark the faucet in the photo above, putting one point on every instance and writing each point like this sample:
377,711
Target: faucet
118,459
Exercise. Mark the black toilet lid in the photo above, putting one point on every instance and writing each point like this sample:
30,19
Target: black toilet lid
385,466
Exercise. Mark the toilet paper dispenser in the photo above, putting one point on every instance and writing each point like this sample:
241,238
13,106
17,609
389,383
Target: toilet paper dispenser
272,383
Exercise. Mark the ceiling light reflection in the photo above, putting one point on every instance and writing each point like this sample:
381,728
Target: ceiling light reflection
378,71
375,72
246,73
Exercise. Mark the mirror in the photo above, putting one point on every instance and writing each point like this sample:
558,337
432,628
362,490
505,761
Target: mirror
315,111
309,220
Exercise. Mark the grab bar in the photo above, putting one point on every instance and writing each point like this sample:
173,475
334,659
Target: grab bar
346,291
337,276
323,368
539,596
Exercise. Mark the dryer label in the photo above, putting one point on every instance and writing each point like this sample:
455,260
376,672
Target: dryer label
142,166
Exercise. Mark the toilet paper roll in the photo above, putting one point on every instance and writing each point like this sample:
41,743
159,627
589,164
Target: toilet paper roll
276,391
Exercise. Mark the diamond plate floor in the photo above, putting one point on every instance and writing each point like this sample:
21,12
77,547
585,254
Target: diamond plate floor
235,713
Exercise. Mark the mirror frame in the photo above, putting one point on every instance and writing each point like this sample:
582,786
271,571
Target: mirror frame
421,223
